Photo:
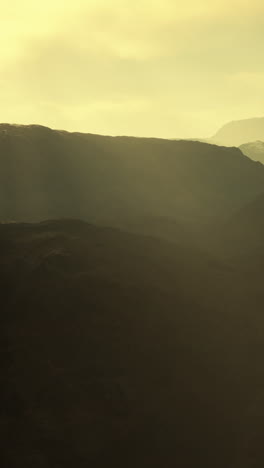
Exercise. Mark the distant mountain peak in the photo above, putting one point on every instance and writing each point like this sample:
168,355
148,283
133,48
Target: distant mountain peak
238,132
254,150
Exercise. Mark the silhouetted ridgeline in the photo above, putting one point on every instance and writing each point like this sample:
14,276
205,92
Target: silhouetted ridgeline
48,174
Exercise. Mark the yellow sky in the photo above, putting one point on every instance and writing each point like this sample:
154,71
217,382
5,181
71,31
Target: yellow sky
144,67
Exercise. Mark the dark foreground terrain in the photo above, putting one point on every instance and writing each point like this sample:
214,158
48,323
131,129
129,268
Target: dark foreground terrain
127,351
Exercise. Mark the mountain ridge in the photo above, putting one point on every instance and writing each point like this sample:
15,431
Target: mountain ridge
238,132
254,150
52,174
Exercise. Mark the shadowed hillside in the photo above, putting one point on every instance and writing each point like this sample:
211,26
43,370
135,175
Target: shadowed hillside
48,174
242,236
118,347
123,350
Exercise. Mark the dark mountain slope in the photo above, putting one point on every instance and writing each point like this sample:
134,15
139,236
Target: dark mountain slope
46,174
121,350
239,132
254,150
243,235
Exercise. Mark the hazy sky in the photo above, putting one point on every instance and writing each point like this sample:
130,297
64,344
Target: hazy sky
138,67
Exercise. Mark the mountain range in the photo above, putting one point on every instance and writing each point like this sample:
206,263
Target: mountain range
254,150
239,132
120,181
131,301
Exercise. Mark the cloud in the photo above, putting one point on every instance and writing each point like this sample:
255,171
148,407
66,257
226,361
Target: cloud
143,67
